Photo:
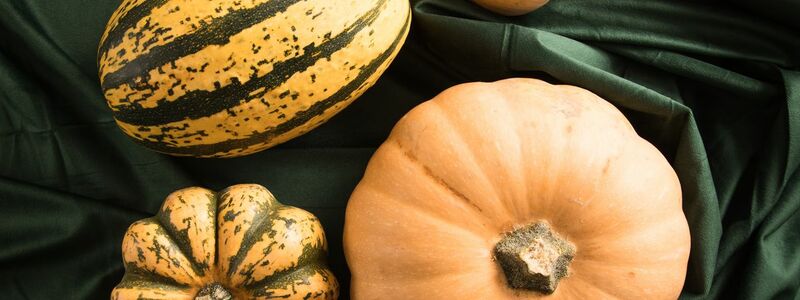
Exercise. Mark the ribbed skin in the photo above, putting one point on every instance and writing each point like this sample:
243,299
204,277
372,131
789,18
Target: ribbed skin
241,238
232,77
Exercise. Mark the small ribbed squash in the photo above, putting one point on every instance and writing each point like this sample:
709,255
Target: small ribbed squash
239,243
511,7
227,78
516,189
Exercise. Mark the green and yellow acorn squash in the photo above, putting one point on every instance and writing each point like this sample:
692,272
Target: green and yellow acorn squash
240,243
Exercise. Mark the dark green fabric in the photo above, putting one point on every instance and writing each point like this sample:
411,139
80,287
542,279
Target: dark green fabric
715,85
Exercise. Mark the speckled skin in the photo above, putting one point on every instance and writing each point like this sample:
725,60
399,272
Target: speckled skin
241,238
232,77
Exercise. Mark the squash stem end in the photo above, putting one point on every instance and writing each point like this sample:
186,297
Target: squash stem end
534,257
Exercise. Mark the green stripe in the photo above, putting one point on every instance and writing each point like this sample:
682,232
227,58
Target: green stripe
299,119
199,103
311,258
216,32
260,225
127,22
159,250
310,255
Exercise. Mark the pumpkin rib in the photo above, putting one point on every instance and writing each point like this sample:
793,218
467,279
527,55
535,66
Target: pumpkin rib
281,279
133,280
305,260
148,231
143,293
468,253
418,287
285,223
626,219
439,180
626,289
520,173
305,276
621,242
556,164
581,98
602,110
542,89
517,200
436,182
401,134
474,157
250,238
410,281
545,198
596,288
425,213
633,276
182,240
133,272
259,225
184,248
612,234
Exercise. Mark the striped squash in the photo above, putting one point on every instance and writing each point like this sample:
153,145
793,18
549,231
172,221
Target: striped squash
240,243
227,78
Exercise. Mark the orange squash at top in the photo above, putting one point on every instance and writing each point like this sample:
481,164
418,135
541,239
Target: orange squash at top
511,7
516,189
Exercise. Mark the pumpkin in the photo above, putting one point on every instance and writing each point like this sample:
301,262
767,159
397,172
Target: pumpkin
511,7
516,189
230,77
240,243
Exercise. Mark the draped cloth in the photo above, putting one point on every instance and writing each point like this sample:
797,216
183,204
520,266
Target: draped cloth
714,85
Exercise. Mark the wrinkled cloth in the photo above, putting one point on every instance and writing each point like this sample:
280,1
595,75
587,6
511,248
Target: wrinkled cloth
714,85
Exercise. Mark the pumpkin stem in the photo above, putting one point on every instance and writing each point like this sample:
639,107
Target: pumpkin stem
534,257
213,291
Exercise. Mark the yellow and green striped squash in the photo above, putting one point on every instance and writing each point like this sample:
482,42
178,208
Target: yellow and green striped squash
227,78
240,243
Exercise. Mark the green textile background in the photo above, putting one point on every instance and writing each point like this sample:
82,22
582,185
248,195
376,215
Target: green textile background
715,85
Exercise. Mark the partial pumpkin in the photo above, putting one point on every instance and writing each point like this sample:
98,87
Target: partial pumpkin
511,7
240,243
516,189
228,78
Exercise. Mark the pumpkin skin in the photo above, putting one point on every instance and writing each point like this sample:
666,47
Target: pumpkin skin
478,162
241,240
511,7
230,77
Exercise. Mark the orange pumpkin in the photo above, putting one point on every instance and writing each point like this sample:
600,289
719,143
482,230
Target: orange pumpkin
516,189
238,244
511,7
